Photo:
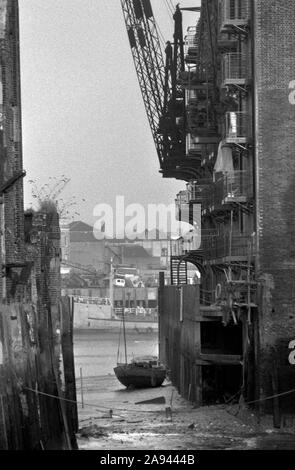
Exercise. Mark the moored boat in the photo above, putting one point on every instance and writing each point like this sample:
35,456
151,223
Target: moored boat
141,372
93,313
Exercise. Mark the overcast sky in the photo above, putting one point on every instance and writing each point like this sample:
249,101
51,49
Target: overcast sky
83,114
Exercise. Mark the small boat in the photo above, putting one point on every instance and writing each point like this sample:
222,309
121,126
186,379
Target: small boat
141,372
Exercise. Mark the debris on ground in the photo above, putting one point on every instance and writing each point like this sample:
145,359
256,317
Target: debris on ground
92,431
180,426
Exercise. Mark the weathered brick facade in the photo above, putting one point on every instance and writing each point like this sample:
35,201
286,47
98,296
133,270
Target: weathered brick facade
274,41
11,165
30,307
240,105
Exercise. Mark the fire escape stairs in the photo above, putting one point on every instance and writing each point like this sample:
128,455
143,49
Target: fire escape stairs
178,270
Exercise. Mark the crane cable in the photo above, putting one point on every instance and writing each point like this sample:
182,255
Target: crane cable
161,36
172,5
169,9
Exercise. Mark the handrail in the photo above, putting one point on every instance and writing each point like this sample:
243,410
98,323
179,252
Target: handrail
228,187
225,245
233,66
236,125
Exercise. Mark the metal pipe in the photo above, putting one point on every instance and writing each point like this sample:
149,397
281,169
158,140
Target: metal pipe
255,136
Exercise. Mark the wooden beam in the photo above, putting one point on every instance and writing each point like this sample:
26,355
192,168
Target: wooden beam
219,359
197,9
211,318
7,185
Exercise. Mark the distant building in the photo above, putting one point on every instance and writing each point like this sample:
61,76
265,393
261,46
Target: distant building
82,252
136,256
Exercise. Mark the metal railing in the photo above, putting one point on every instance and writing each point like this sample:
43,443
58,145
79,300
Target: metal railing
91,300
139,313
182,197
190,40
236,127
196,192
226,245
192,79
212,196
193,147
233,187
201,120
234,68
182,206
237,185
233,13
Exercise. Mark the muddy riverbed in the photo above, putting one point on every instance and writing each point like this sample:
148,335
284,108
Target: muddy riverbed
111,417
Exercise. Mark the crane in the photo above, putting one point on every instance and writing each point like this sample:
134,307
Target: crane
163,99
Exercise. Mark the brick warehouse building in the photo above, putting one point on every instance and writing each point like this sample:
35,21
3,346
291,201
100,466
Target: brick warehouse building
236,84
11,170
34,320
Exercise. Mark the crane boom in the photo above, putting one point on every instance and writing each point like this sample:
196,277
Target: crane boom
163,96
149,62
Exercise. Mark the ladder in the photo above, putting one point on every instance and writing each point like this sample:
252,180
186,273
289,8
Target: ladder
178,270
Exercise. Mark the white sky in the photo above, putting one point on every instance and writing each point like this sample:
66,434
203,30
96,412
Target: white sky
83,114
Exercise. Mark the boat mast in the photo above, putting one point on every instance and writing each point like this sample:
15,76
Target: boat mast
124,335
112,287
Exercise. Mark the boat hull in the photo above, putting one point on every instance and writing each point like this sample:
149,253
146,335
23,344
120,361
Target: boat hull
139,377
94,317
115,325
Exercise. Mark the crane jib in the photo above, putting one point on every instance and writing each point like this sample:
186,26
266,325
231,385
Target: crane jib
156,76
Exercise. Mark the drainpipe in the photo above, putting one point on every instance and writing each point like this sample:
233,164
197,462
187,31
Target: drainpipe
255,104
255,136
3,241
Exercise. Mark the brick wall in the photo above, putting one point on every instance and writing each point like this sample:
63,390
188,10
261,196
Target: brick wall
275,68
10,139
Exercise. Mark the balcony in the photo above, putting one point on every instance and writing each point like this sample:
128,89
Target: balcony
191,96
234,69
191,45
182,198
201,115
201,123
230,188
190,242
237,187
212,197
226,247
190,40
233,14
237,127
191,80
193,148
196,191
182,206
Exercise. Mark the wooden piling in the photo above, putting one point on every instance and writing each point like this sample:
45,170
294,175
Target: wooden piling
81,382
3,429
160,313
276,402
66,315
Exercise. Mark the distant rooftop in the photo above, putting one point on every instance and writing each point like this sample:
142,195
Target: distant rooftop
135,251
83,232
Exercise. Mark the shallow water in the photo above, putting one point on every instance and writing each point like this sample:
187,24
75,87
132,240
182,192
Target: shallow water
96,351
145,426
